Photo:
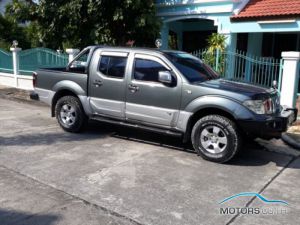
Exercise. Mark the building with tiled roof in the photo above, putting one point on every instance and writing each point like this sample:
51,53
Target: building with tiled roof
260,28
269,9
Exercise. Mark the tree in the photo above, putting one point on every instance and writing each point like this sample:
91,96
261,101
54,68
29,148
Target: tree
78,23
10,30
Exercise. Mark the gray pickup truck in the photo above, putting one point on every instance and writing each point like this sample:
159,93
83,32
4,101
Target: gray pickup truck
168,92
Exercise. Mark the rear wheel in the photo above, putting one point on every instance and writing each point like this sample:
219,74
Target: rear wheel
216,138
70,114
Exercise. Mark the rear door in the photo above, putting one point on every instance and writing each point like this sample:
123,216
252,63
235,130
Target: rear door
108,83
148,100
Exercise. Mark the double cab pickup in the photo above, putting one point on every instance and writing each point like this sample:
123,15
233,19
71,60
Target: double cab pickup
168,92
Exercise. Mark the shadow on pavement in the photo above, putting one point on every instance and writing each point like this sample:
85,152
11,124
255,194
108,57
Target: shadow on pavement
51,137
11,217
252,153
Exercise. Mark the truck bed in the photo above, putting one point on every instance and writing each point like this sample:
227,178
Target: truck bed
53,79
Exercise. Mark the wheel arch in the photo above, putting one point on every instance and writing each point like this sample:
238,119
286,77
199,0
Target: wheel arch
213,104
202,113
64,88
58,95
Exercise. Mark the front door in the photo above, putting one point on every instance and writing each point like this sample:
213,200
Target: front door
148,100
108,83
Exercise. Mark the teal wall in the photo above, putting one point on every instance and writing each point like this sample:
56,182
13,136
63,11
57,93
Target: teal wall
196,26
256,27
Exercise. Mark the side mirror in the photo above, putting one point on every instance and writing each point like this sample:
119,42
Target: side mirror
77,64
165,77
77,67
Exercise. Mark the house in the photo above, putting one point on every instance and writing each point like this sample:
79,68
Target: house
259,27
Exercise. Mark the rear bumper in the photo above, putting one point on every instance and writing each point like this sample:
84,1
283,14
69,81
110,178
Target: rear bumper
34,96
271,126
42,95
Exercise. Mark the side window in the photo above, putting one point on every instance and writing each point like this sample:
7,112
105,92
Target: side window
83,58
113,66
104,61
147,70
80,64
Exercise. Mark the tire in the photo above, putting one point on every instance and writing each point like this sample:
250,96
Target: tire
216,138
70,114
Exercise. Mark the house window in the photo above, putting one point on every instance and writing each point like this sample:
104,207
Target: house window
276,43
242,42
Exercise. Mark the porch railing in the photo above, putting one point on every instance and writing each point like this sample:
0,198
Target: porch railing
243,67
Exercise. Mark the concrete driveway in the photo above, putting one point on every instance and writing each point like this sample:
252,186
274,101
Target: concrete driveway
111,175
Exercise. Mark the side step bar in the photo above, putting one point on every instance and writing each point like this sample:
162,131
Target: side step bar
138,126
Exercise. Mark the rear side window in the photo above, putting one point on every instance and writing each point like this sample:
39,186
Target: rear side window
147,70
113,66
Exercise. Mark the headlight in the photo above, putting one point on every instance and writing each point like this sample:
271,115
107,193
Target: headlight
260,106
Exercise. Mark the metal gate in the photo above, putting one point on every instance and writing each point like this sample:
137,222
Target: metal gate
6,62
32,59
242,67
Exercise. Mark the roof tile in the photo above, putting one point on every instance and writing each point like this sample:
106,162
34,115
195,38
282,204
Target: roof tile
257,9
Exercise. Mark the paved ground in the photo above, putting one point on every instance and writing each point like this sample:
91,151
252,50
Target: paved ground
109,175
18,95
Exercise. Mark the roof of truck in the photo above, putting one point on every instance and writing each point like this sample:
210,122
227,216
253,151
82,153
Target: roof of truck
135,49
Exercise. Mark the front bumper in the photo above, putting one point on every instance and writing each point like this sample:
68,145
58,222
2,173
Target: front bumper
270,126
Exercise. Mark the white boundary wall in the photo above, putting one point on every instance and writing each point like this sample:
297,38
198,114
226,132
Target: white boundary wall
23,82
290,78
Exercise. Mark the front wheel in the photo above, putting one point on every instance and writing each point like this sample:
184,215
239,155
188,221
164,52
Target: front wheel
216,138
70,114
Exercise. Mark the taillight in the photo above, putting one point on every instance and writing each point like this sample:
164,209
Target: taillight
34,78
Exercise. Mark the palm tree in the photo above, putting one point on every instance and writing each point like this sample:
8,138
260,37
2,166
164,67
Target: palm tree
214,55
216,42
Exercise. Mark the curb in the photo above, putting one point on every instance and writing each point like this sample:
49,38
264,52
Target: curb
290,141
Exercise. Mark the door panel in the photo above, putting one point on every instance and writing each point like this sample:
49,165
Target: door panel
150,101
151,114
108,107
107,88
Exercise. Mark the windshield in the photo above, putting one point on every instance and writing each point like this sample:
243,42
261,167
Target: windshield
192,68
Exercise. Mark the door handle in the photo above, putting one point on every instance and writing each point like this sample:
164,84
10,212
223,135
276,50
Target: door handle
97,83
133,88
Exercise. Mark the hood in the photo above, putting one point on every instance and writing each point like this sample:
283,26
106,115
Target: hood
252,91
